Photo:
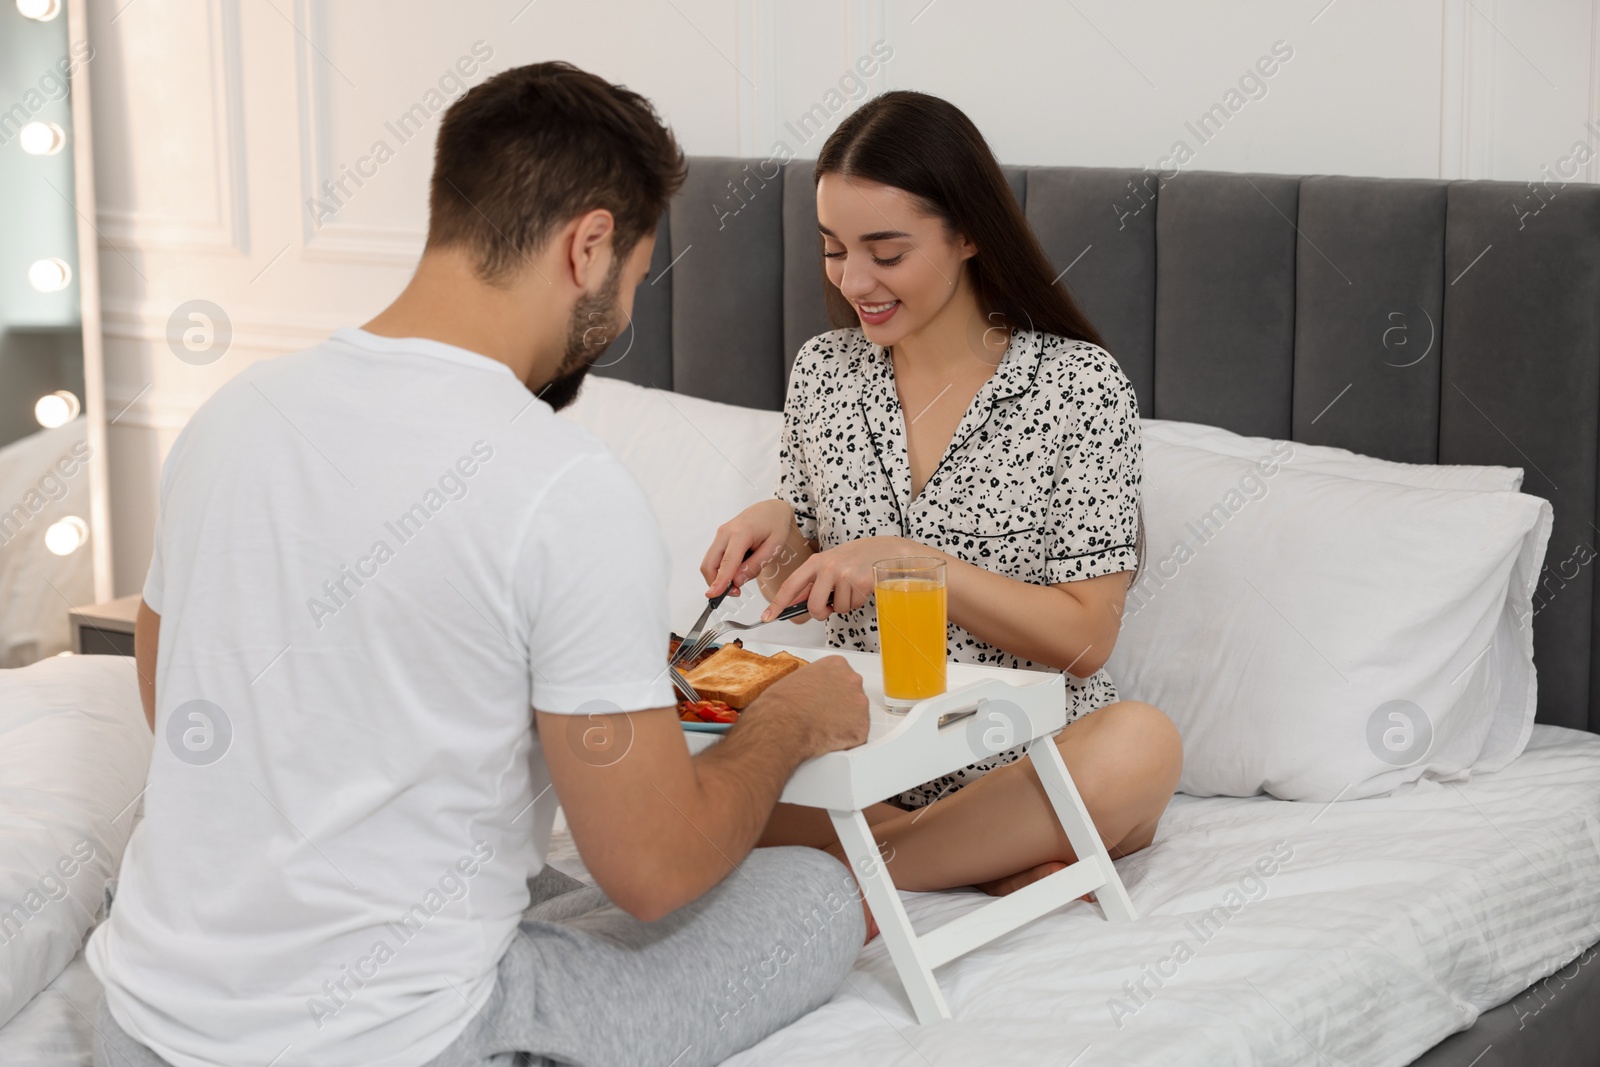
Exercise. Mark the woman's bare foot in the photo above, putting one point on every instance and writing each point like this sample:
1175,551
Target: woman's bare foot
1000,887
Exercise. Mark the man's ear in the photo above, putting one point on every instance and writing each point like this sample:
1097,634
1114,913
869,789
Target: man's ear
589,248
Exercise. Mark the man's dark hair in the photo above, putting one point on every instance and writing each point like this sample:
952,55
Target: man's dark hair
536,146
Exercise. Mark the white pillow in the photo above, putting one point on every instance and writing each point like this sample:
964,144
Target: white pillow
1283,611
700,463
1330,460
74,755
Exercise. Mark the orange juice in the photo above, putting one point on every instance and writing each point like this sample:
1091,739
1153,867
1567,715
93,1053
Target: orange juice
911,635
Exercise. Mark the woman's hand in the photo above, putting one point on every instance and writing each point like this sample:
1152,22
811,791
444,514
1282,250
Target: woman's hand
762,529
842,574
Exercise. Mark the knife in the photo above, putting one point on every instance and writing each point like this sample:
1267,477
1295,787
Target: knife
705,616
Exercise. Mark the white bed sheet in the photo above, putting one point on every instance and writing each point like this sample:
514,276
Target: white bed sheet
1394,924
56,1028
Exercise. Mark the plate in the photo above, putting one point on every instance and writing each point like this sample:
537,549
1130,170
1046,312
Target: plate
707,727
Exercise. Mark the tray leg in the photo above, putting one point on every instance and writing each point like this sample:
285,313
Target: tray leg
894,925
1074,818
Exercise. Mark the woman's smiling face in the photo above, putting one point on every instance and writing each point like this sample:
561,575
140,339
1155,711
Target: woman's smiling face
897,265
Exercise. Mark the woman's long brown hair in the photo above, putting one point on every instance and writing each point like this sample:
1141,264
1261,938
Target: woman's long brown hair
929,148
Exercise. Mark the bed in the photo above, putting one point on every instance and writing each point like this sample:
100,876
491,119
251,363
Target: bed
1427,322
1393,923
1423,321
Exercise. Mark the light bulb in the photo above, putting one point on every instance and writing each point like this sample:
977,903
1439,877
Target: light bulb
57,409
50,275
66,535
41,138
43,10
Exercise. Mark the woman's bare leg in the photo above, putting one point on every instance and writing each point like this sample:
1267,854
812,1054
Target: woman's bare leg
1140,837
1124,758
791,824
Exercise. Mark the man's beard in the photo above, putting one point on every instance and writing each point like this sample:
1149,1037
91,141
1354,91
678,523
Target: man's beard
595,323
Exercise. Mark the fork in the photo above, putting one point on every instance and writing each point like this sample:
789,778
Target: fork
683,685
715,633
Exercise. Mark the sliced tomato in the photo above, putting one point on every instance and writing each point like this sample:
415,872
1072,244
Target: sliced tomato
717,711
707,711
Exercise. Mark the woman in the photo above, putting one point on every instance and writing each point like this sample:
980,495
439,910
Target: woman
967,413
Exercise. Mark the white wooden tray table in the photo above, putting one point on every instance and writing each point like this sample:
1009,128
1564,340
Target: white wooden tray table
985,710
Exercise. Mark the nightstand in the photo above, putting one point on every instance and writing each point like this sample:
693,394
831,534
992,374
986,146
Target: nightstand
105,629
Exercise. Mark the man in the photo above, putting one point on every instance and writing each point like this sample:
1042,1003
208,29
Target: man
372,558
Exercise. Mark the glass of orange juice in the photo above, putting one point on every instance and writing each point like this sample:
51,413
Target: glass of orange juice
912,605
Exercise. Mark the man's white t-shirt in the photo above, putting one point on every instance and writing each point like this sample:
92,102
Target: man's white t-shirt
372,558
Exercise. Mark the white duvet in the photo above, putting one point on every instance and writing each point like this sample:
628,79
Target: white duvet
1391,923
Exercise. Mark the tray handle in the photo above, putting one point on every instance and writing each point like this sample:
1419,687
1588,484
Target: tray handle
937,713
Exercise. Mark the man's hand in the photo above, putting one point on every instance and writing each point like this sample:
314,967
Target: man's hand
825,703
656,828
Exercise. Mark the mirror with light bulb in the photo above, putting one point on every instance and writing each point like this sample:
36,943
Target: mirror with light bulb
53,555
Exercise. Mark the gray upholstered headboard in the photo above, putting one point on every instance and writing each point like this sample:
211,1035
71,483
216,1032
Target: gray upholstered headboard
1416,320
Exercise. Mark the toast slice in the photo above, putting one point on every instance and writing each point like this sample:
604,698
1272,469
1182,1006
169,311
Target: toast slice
675,641
736,676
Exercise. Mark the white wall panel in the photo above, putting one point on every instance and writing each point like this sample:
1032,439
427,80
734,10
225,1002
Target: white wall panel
217,120
1540,97
169,118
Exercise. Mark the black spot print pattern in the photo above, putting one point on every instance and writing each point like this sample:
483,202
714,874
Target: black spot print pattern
1040,482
